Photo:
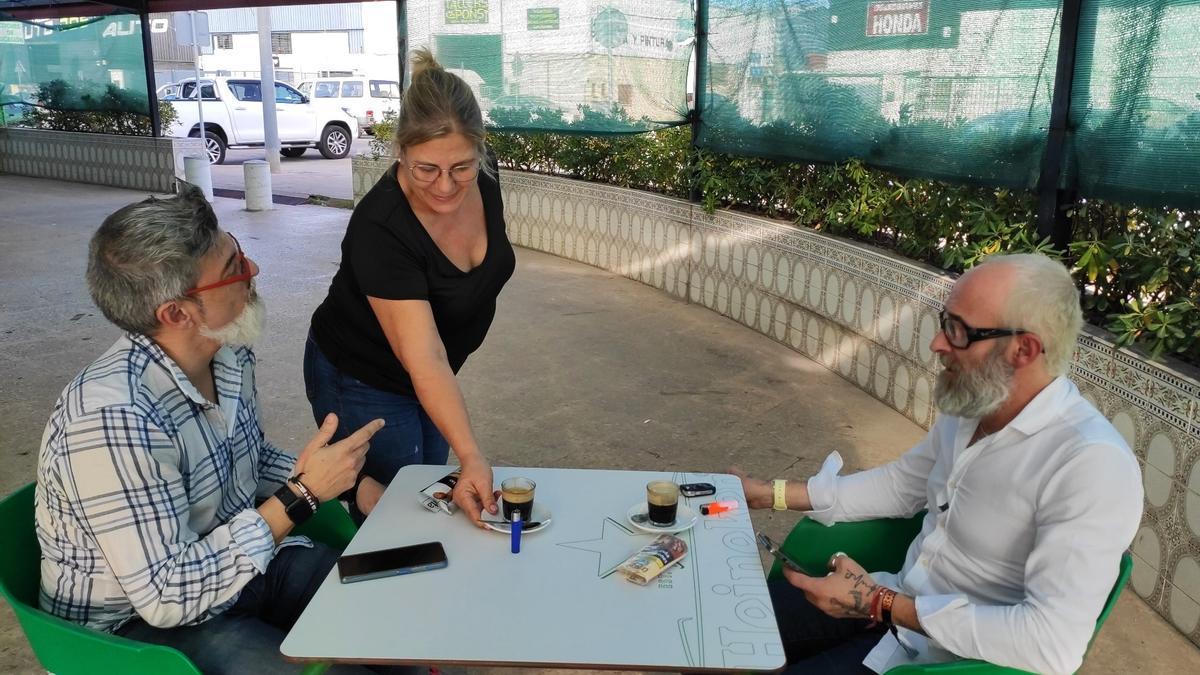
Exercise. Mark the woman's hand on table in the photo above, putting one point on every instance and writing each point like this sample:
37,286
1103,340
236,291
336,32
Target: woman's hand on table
473,493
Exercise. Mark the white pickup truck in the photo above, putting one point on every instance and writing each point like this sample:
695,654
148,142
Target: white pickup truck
233,117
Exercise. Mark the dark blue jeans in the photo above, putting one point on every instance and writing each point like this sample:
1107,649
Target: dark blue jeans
246,637
815,642
409,436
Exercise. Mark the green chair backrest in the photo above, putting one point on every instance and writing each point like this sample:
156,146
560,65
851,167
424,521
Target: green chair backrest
878,545
881,545
64,647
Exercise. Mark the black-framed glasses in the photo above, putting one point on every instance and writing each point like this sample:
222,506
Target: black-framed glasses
426,174
960,335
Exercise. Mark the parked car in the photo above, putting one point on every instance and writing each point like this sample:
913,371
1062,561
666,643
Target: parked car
233,117
366,98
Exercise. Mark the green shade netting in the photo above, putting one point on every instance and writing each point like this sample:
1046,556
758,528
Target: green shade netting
583,66
80,64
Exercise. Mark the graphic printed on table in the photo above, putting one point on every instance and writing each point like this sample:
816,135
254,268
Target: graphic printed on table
737,584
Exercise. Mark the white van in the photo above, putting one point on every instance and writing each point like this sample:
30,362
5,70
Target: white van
365,98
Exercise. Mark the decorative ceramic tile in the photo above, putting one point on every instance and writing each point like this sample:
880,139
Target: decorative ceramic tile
1147,551
1184,611
796,329
1157,485
1124,423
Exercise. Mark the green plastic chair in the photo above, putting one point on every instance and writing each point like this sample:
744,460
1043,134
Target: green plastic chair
64,647
881,545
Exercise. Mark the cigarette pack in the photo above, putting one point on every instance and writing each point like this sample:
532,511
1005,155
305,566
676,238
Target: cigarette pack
436,495
642,567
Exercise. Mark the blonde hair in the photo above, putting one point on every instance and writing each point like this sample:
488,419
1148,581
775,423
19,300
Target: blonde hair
1043,300
436,104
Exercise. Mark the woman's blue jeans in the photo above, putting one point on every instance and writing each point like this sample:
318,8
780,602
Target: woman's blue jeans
408,437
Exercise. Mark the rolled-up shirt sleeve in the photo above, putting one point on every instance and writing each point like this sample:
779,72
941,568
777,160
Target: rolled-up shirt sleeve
1087,514
122,475
894,490
274,467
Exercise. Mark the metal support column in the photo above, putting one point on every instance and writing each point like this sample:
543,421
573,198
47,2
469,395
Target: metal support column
151,88
700,49
402,39
1053,202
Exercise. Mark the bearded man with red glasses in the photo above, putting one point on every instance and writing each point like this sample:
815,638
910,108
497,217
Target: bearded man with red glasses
161,508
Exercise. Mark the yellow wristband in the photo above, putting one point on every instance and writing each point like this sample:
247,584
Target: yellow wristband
780,495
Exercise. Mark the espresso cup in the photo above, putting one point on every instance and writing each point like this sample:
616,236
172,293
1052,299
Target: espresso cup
662,501
516,494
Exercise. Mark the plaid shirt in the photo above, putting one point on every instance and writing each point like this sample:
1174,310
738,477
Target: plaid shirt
146,491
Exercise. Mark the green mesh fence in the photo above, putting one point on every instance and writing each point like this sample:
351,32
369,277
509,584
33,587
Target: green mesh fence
1136,103
92,64
944,89
599,66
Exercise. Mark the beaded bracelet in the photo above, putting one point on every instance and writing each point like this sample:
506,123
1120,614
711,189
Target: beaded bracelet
873,614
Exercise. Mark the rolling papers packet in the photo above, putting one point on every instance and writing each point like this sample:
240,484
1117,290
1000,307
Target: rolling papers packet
442,485
642,567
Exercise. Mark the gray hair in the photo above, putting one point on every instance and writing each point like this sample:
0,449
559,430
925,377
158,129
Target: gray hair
148,253
436,104
1044,300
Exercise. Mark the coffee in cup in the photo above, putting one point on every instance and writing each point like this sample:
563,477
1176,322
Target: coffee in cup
662,501
516,494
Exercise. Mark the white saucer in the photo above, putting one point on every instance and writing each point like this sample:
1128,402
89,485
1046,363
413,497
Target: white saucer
685,518
541,515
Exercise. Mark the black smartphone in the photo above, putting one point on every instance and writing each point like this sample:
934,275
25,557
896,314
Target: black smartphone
391,562
697,489
765,542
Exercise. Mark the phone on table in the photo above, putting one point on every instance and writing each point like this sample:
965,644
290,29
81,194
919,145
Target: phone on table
391,562
697,489
765,542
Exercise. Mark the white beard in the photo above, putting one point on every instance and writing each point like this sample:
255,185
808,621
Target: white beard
975,393
245,329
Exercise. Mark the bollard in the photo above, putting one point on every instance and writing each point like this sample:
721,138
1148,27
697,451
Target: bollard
258,185
197,171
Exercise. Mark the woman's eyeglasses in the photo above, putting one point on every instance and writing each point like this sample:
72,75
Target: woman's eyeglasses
426,174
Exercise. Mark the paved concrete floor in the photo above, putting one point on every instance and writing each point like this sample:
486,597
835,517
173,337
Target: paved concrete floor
582,368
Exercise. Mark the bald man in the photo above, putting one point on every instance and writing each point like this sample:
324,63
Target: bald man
1031,497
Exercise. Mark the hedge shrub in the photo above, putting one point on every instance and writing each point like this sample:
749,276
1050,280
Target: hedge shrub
1134,265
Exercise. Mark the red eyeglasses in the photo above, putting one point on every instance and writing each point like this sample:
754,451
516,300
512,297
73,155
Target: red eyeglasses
244,272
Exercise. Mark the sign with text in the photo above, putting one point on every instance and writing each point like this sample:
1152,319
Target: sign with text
541,18
895,24
908,17
466,11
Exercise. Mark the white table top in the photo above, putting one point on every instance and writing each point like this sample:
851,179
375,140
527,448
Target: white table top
560,594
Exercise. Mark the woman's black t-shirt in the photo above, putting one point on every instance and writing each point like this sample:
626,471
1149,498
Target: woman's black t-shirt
388,254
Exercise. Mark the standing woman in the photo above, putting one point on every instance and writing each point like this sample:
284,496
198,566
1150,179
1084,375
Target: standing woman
423,259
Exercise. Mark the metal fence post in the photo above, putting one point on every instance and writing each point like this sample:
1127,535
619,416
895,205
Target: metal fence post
402,39
1052,220
701,52
148,61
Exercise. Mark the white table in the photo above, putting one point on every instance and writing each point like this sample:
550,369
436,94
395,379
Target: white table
559,602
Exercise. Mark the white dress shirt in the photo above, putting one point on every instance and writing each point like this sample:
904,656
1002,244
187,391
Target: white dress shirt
1023,537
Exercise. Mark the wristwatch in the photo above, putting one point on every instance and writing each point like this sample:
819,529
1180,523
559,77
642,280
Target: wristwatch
297,508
